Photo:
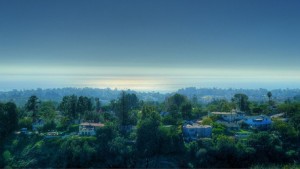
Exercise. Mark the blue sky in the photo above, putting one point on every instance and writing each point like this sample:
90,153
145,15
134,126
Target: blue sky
149,45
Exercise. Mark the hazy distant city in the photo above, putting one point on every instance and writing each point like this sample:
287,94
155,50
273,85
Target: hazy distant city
204,95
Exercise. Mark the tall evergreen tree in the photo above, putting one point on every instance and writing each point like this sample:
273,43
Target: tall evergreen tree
84,105
33,105
69,106
241,101
98,105
8,119
126,103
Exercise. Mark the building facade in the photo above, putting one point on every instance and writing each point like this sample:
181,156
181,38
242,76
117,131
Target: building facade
195,131
261,122
229,116
89,129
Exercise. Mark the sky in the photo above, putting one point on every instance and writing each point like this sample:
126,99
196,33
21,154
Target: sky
160,45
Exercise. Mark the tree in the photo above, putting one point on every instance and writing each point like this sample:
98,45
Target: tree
64,123
268,147
77,152
8,119
286,131
125,104
295,120
147,111
133,101
69,106
241,101
123,109
207,121
33,105
113,149
258,109
84,105
269,94
177,101
120,153
133,117
49,126
170,140
290,108
47,110
174,105
105,135
98,105
186,110
92,116
220,105
218,129
25,122
148,135
195,100
198,112
226,152
174,117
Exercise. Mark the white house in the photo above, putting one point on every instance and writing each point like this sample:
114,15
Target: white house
194,131
89,129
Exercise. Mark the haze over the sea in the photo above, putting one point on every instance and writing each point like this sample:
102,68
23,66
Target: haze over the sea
157,45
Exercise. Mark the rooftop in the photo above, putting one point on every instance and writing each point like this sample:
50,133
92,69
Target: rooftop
223,113
258,120
233,111
277,115
92,124
195,125
260,117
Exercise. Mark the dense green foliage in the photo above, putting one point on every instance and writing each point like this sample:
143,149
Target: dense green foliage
8,119
136,135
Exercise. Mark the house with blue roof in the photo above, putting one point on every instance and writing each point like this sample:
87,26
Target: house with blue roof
194,131
261,122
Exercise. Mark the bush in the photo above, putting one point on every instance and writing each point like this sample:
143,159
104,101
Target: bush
49,126
25,122
73,128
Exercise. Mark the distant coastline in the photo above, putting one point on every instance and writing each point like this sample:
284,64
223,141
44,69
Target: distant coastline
204,95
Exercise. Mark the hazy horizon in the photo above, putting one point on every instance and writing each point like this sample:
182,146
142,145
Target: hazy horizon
149,45
147,91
